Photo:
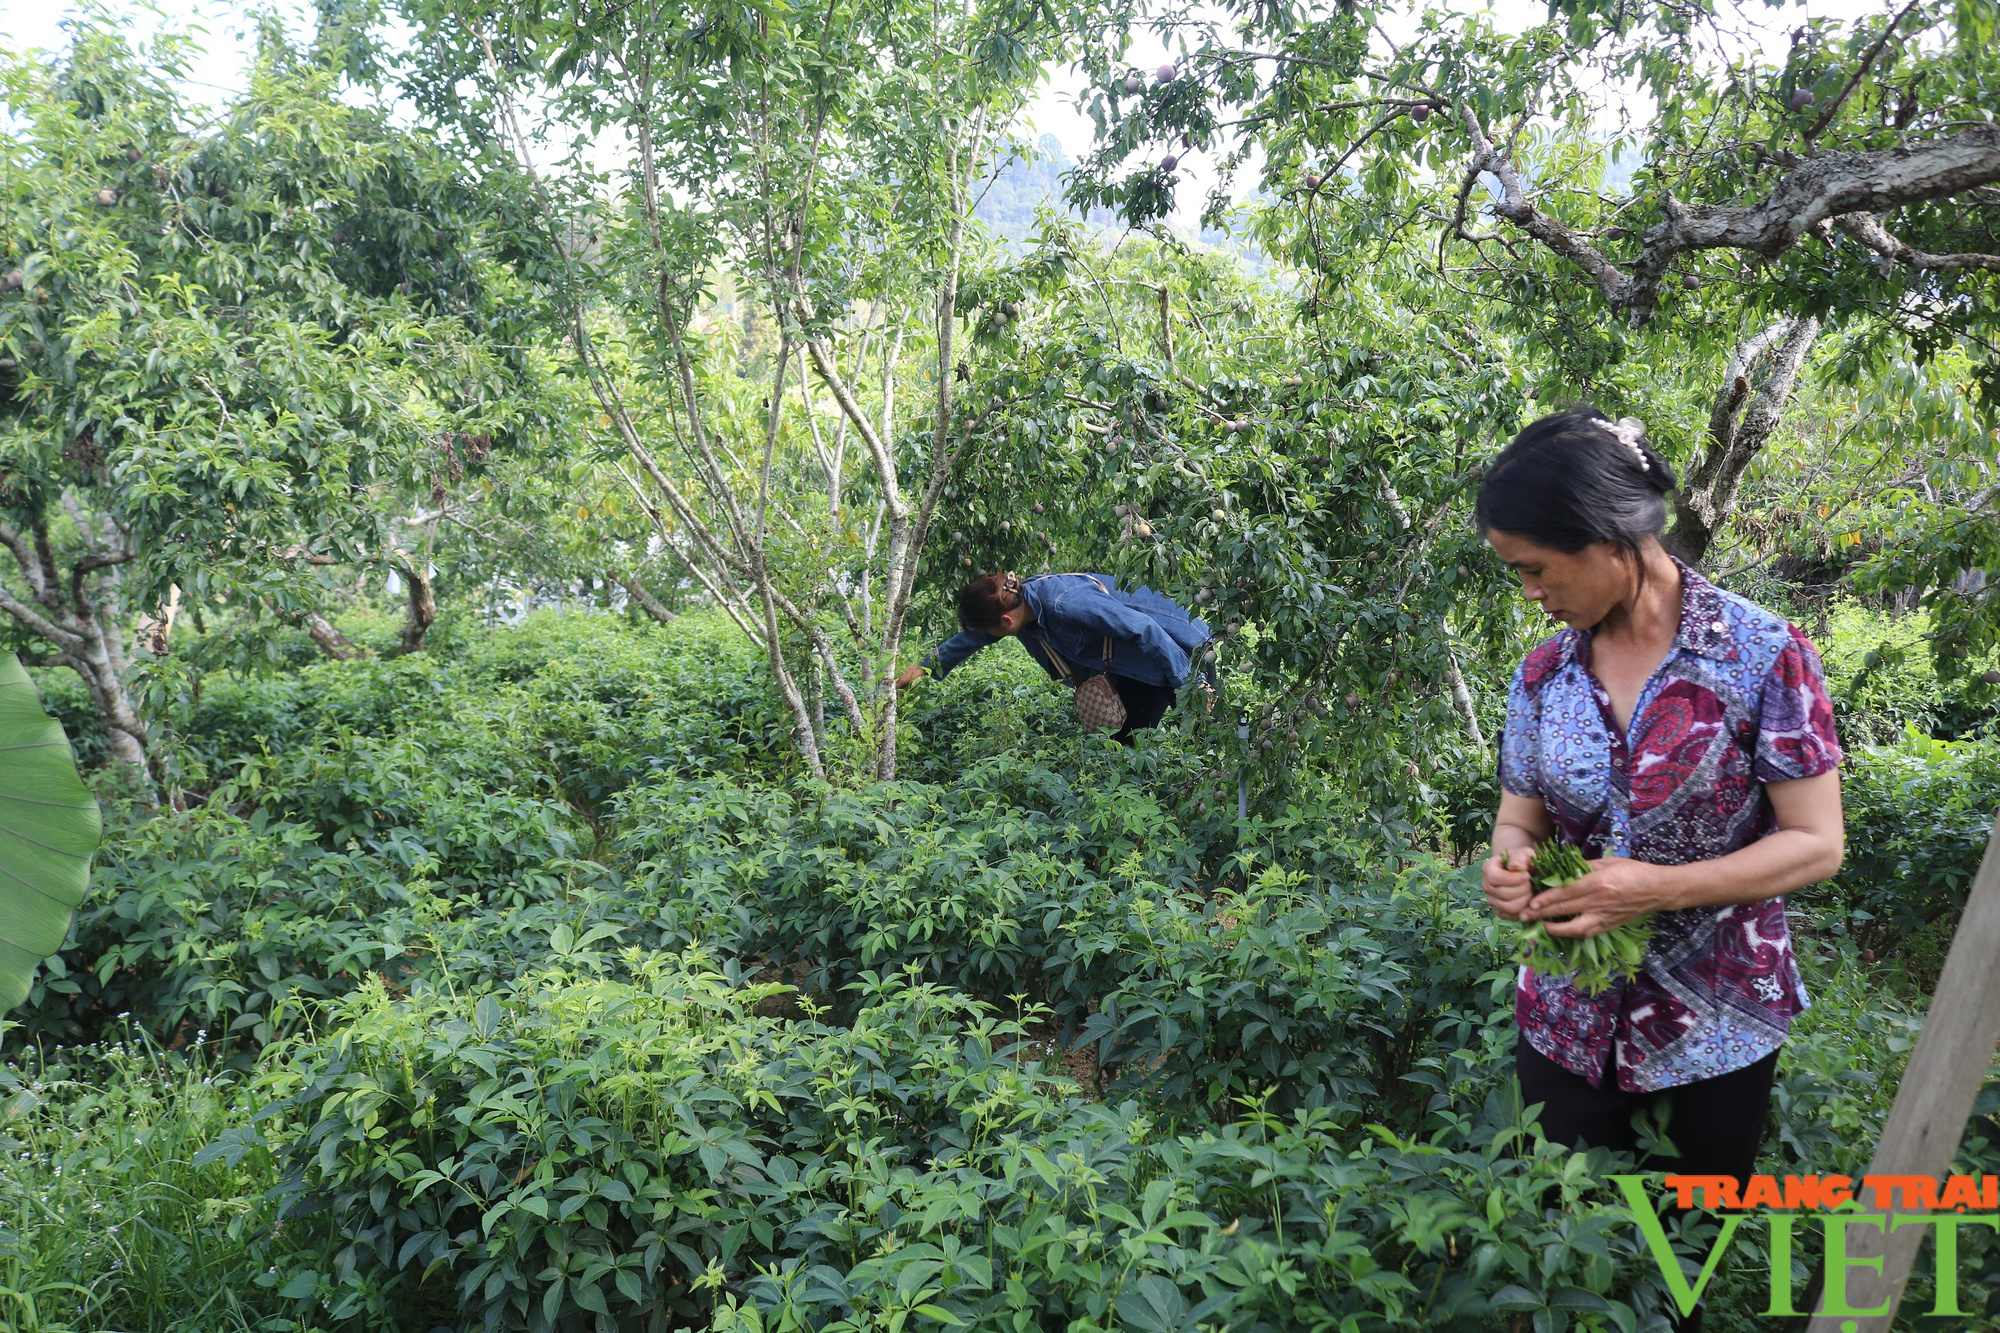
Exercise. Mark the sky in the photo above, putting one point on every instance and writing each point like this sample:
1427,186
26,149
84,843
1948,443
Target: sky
38,24
26,24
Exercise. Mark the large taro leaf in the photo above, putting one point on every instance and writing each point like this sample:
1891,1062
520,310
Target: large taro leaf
49,827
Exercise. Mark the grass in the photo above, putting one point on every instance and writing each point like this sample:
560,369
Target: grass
106,1220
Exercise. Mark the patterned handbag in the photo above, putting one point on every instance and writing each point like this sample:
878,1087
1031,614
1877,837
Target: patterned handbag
1098,707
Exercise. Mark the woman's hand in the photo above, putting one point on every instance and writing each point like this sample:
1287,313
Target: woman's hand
1805,848
1505,879
1615,891
1521,824
909,677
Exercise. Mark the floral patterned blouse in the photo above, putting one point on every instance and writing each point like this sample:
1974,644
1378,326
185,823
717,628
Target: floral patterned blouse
1739,701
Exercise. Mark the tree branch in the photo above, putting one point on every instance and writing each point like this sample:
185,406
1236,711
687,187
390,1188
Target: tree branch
1704,503
1827,186
652,605
24,556
1868,229
836,384
1832,187
422,603
1729,397
329,640
50,594
90,562
37,624
725,596
1861,68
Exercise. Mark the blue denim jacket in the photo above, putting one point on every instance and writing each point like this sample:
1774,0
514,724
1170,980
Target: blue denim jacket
1152,638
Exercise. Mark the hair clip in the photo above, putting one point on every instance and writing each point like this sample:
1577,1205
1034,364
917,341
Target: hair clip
1628,431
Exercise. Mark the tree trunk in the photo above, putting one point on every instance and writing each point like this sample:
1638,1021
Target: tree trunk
97,659
652,605
1755,388
78,613
329,640
908,531
423,608
1461,699
130,743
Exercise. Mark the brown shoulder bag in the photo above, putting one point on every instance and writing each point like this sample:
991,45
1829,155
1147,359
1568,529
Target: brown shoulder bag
1098,707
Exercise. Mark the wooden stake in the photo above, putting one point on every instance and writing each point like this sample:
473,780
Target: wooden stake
1933,1103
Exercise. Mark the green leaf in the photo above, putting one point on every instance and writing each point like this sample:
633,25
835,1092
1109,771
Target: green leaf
302,1285
1153,1304
49,827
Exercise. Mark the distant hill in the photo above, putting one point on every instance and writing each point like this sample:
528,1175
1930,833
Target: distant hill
1008,206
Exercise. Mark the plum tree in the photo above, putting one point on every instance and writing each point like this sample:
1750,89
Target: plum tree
823,165
217,387
1839,182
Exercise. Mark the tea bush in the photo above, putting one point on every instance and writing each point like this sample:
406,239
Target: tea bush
580,1153
1919,815
1016,885
1347,1001
1882,680
571,1006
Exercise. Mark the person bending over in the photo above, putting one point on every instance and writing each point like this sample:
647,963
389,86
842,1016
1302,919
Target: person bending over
1079,627
1682,736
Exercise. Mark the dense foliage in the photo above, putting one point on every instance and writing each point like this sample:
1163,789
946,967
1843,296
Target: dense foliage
456,960
528,987
229,349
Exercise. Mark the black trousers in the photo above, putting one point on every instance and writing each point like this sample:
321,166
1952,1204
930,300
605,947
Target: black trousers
1715,1124
1145,705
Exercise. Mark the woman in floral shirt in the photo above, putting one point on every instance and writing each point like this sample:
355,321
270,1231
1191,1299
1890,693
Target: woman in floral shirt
1682,737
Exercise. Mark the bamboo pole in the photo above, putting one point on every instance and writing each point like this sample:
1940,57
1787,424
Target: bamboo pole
1933,1103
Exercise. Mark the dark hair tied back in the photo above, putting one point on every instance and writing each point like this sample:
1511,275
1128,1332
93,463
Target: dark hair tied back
1574,479
982,602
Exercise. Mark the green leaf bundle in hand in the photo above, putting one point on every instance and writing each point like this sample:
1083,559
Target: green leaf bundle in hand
1594,964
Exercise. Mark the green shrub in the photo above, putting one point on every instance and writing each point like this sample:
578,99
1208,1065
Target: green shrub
1017,883
1882,678
1000,702
1919,815
577,1146
64,698
205,920
1347,998
506,922
577,1153
1468,799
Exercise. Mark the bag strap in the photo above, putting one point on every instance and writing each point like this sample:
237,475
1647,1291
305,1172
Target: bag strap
1074,574
1062,666
1061,663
